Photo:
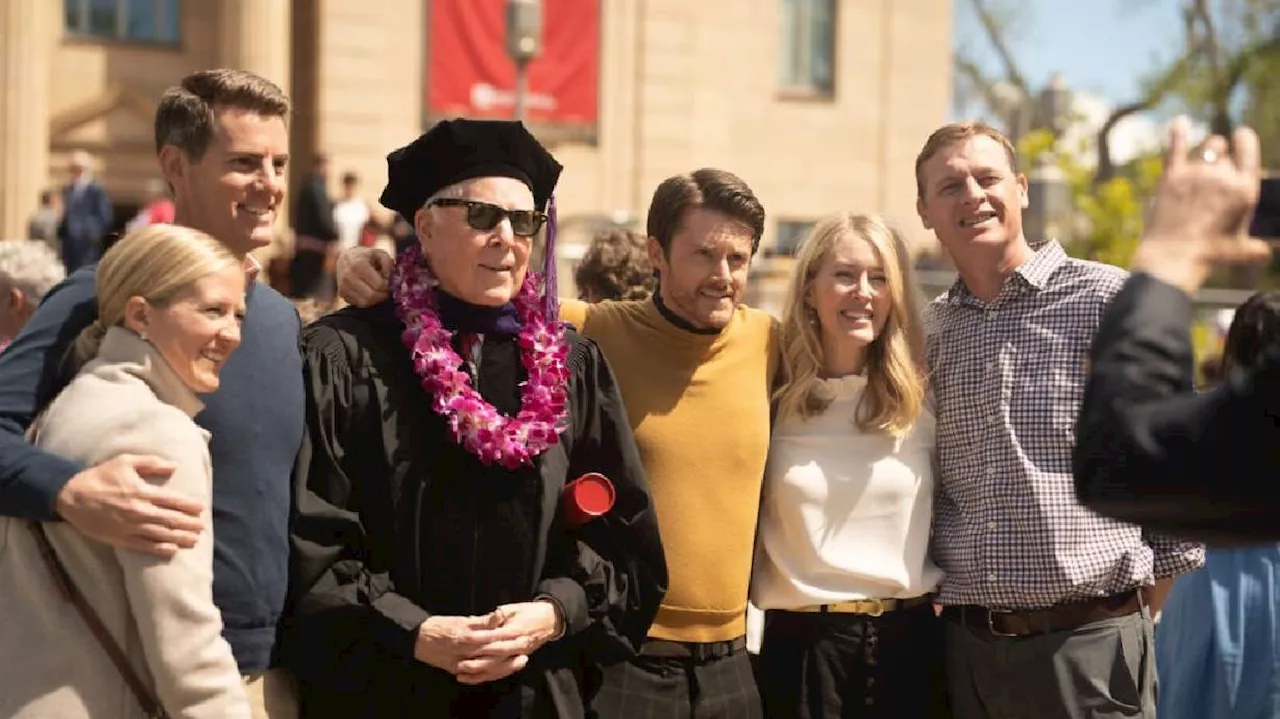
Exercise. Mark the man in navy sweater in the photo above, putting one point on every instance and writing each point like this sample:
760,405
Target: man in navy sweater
223,143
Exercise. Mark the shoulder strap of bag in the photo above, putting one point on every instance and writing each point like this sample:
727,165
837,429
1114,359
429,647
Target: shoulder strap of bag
150,704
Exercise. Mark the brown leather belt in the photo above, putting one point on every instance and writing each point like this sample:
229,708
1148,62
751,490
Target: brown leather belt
1064,617
869,607
697,651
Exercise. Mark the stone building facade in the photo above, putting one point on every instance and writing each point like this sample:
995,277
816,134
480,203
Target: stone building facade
819,104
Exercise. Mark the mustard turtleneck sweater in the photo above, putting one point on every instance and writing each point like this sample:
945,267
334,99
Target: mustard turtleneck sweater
699,406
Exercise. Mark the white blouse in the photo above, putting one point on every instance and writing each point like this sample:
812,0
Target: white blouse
846,514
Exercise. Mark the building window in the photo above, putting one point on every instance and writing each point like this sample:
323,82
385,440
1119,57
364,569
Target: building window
807,64
143,21
789,235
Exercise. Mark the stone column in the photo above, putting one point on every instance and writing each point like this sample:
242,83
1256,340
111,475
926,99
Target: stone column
255,35
27,34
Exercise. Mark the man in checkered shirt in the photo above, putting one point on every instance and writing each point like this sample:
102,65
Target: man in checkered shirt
1048,604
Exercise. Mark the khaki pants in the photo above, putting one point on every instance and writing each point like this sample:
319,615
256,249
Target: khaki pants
272,695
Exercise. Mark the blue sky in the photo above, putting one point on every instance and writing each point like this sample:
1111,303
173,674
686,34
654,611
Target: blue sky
1100,46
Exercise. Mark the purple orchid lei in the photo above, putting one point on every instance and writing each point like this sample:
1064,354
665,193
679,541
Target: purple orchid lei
474,423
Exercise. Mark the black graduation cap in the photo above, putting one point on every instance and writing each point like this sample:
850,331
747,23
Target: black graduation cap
464,149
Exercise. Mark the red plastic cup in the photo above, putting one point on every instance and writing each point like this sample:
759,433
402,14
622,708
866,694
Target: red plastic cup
587,497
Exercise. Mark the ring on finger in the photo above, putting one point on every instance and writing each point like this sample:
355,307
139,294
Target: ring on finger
1208,156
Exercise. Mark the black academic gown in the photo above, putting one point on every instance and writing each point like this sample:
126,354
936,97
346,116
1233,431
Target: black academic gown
393,523
1151,451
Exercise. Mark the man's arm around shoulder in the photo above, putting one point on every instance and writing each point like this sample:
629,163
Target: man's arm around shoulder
110,502
31,374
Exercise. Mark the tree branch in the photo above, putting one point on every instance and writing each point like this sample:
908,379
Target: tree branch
1106,166
1220,94
968,68
1157,92
995,35
1230,79
1239,64
1209,44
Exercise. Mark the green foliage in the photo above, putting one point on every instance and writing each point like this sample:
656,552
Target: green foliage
1116,210
1112,213
1205,345
1262,108
1246,36
1236,77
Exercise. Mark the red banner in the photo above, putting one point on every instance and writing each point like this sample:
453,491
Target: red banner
469,73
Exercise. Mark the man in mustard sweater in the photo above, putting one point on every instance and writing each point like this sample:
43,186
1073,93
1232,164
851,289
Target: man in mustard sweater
695,368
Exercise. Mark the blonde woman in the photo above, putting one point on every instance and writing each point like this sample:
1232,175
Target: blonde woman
170,304
842,568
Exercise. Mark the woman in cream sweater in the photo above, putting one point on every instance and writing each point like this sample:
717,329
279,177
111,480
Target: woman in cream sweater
170,304
842,566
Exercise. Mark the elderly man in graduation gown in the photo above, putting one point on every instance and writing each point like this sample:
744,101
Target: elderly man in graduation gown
440,567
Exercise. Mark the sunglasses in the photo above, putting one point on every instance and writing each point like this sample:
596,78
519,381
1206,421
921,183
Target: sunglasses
484,216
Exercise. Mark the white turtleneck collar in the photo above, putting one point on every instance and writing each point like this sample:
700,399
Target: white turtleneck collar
842,388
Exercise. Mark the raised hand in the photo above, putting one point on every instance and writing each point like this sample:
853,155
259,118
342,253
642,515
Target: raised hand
1202,209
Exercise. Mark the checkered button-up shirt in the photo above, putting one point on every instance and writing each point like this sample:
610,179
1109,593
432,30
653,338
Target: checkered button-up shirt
1008,378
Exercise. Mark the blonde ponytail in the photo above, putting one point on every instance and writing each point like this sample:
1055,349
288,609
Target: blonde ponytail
87,343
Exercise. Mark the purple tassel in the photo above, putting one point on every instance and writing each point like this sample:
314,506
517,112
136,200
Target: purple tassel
551,298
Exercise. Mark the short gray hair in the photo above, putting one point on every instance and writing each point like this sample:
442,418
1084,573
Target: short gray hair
456,191
31,266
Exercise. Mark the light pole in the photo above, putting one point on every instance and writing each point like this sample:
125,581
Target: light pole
1054,106
524,43
1052,210
1051,203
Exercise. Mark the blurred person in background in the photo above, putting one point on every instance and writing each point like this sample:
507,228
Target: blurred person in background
310,310
156,209
1210,369
402,235
376,234
28,270
350,212
615,267
170,306
1218,641
43,224
315,235
86,214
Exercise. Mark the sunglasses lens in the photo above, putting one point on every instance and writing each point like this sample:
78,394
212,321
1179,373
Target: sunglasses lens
483,217
525,223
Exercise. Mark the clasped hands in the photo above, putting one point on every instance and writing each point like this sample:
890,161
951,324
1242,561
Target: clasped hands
487,648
